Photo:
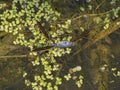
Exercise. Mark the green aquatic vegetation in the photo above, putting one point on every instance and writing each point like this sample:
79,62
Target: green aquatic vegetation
35,24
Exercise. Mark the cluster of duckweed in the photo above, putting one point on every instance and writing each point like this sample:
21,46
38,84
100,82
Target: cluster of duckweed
21,20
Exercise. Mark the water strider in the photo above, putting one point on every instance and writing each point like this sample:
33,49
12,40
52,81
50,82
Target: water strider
62,44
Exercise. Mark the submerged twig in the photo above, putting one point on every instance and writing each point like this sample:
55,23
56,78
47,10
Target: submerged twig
114,26
13,56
